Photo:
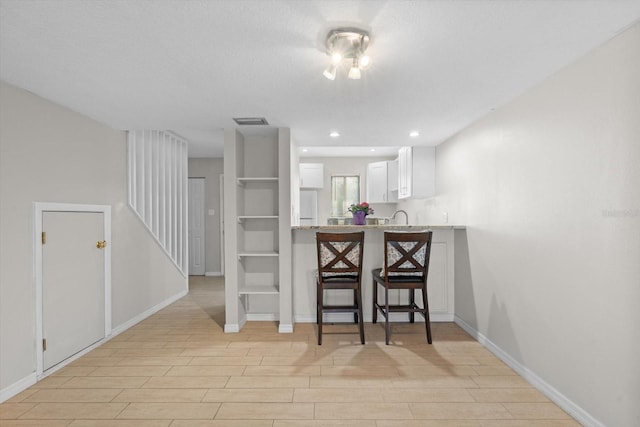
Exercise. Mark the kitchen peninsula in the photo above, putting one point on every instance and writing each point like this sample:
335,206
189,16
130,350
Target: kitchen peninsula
440,286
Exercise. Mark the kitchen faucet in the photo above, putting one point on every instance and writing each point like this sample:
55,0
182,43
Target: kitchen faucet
405,216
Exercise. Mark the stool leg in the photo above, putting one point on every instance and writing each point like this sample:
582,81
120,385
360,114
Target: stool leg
319,312
425,305
359,297
387,328
356,304
374,312
412,303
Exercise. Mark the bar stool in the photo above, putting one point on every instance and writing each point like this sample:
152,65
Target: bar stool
340,267
406,266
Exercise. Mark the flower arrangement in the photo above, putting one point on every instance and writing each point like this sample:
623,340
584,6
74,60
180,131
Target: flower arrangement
362,207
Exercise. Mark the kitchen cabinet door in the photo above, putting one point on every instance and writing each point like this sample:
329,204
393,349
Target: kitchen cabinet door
416,176
377,182
404,172
381,178
311,175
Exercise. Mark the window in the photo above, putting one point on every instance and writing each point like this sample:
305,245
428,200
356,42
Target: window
345,191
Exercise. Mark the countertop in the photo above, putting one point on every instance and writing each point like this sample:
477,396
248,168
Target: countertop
376,227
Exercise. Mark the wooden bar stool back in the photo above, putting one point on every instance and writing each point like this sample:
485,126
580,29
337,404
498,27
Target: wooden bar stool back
406,266
340,267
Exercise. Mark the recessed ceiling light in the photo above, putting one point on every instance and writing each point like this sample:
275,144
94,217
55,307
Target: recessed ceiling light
414,134
304,150
334,134
372,149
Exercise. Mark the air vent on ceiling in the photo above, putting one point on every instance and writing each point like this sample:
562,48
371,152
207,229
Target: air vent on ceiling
248,121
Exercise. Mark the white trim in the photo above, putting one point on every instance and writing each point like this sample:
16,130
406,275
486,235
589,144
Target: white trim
221,216
582,416
213,274
140,317
39,209
260,317
72,358
231,328
285,329
20,385
31,379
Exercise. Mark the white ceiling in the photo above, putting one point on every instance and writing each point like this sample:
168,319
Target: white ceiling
190,66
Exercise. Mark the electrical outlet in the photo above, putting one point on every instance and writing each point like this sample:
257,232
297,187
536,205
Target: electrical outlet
445,217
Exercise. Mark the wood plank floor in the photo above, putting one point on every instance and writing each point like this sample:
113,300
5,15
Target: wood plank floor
177,368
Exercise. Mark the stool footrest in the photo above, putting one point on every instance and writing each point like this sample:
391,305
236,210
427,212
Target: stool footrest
340,309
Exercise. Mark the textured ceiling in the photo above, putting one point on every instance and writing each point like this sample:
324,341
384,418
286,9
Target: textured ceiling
190,66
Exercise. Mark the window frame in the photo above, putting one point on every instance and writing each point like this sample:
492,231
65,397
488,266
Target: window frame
335,211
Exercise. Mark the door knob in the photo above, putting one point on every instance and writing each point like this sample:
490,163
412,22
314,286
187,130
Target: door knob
101,244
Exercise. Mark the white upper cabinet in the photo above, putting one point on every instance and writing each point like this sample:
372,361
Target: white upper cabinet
381,180
311,175
416,172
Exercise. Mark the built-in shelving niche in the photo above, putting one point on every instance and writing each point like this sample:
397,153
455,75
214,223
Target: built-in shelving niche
260,191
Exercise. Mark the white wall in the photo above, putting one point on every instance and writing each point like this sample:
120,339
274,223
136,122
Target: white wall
210,169
549,188
51,154
346,166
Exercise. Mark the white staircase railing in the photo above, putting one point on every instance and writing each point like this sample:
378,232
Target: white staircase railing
157,186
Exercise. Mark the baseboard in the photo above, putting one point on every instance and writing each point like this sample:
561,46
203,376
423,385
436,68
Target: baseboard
31,379
231,328
234,328
259,317
139,318
73,358
15,388
582,416
395,317
285,329
213,274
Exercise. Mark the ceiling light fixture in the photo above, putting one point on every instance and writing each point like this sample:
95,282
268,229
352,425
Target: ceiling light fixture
330,72
334,134
414,134
347,44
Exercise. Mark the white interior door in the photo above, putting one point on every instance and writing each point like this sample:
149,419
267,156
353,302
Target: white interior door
73,284
196,227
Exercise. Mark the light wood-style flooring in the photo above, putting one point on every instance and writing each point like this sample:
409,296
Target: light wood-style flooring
177,368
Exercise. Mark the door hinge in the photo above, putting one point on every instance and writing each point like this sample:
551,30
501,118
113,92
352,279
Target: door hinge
44,344
44,237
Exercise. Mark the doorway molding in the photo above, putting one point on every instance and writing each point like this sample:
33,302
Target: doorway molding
39,208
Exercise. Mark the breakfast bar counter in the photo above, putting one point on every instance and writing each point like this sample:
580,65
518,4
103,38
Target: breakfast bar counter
440,285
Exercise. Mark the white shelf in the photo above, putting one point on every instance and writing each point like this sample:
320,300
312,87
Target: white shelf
245,180
257,254
242,218
258,290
